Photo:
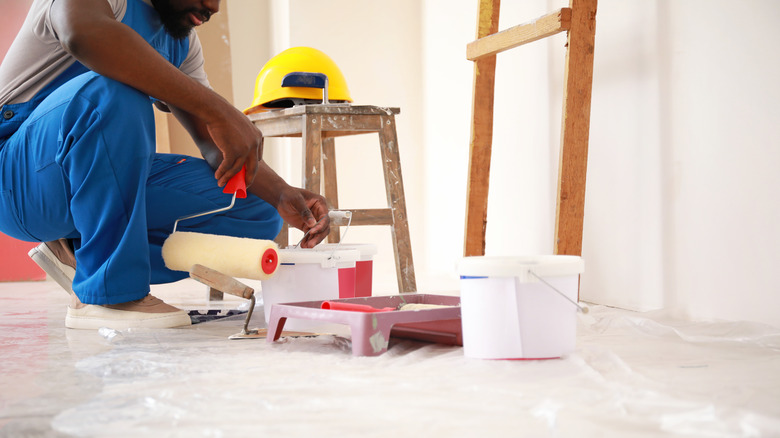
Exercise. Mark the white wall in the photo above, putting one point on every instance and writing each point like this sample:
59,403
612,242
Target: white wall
682,194
721,149
623,241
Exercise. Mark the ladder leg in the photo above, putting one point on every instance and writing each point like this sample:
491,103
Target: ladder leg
330,182
311,172
215,294
481,135
312,152
394,186
578,81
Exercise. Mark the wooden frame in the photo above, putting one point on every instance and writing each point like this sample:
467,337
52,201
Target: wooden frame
318,126
542,27
580,22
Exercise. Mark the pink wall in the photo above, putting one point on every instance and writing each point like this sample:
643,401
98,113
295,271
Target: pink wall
14,12
14,263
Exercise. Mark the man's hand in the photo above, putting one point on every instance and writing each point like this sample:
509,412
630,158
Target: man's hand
240,142
306,211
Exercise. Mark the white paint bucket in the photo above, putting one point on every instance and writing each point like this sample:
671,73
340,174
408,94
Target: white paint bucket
512,308
309,275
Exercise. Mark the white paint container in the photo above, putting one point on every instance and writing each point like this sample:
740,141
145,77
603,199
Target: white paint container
364,267
309,275
510,308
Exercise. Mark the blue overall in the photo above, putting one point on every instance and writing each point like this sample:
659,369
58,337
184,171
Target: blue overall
78,161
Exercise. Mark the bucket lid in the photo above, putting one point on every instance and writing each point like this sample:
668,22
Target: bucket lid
328,259
521,266
365,249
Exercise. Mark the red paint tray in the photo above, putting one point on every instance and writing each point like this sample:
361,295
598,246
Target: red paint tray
372,331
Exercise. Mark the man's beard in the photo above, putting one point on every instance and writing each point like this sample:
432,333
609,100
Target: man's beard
177,23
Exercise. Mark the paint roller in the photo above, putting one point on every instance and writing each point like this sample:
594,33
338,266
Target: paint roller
234,256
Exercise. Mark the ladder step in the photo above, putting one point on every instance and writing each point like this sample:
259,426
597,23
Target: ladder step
371,216
547,25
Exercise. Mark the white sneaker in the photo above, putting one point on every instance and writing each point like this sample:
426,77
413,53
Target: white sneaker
148,312
58,261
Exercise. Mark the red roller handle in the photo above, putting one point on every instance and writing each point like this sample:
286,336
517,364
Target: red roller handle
352,307
237,184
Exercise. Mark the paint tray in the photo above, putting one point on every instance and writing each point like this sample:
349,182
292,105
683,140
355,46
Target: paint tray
371,332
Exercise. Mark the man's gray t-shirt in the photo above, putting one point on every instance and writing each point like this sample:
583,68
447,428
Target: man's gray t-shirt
37,57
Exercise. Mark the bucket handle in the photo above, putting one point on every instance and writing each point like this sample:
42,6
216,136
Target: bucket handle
340,214
584,310
333,215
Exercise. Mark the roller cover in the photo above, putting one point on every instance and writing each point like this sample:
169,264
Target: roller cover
235,256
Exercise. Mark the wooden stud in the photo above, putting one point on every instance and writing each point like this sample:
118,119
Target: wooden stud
358,123
371,216
318,125
216,294
480,147
312,152
578,80
274,127
394,187
542,27
330,182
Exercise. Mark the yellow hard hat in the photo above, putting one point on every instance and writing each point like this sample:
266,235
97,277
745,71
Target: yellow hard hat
295,76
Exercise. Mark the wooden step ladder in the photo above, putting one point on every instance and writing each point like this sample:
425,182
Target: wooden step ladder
318,126
579,20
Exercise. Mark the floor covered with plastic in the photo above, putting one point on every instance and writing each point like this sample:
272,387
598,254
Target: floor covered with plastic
632,374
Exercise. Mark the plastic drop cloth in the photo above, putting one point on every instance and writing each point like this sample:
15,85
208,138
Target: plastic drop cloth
632,374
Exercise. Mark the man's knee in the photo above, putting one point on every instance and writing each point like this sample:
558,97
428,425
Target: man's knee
261,220
268,224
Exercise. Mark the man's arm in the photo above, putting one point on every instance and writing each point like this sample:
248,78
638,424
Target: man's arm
302,209
89,31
